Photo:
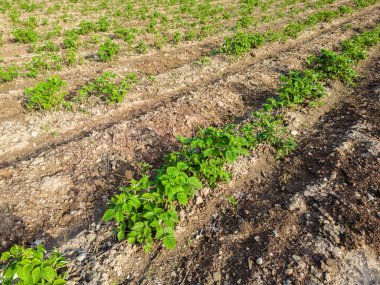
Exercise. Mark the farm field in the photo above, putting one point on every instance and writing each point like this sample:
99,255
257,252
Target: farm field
190,142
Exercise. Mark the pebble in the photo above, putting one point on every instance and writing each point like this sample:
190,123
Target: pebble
81,257
370,197
199,200
259,261
294,132
34,134
257,238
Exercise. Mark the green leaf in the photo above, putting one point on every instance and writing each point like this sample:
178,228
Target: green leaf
194,183
49,273
5,256
169,241
59,281
138,227
134,202
36,275
182,198
119,215
148,215
120,235
109,215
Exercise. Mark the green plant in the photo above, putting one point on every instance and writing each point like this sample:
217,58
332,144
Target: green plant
241,43
334,66
102,25
25,36
46,95
128,35
177,37
107,87
32,266
86,27
9,73
142,47
108,50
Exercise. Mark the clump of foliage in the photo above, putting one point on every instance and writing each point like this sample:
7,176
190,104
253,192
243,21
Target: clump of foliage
46,95
108,50
25,35
241,43
108,88
31,266
9,73
128,35
334,66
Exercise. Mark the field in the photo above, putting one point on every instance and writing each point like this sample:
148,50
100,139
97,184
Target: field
190,142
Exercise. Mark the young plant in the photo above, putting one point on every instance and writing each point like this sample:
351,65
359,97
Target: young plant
25,36
108,88
32,266
46,95
108,50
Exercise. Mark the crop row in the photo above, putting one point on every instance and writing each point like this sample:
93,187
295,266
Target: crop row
50,94
147,209
50,60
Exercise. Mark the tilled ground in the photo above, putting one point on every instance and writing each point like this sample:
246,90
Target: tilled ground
310,219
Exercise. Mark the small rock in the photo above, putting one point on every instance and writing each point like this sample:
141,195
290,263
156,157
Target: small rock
173,274
296,258
294,132
259,261
257,238
199,200
370,197
81,257
91,238
296,203
34,134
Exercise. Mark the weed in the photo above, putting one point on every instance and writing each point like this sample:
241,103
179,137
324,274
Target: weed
102,25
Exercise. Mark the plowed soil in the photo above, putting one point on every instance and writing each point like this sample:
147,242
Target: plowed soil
311,218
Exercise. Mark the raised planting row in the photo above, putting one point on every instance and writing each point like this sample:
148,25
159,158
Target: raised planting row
51,94
243,42
51,60
236,45
147,209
